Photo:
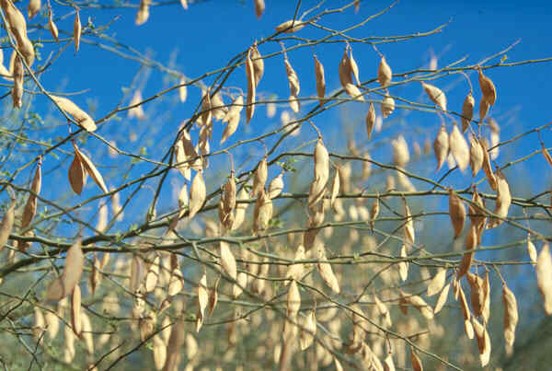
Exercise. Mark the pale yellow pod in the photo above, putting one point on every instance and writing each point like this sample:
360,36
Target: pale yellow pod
77,30
276,186
227,260
320,80
64,284
326,271
33,8
291,26
387,106
6,225
503,201
441,146
259,8
251,87
198,193
476,155
459,148
543,270
80,117
511,317
401,154
467,111
483,341
76,320
384,73
436,95
258,64
437,282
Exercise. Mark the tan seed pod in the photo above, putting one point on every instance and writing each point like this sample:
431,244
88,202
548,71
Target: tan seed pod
457,213
213,297
29,211
421,305
202,301
293,300
459,148
415,361
503,201
18,76
227,260
477,293
483,110
251,87
77,30
260,178
546,155
403,265
18,28
467,111
345,69
198,193
374,212
354,92
232,118
64,284
184,4
354,67
384,73
291,26
33,8
511,318
470,245
262,213
370,119
487,168
436,95
409,232
241,207
52,27
326,271
76,320
295,271
174,345
258,64
259,8
476,155
442,299
176,282
336,184
320,80
487,89
387,106
441,146
241,283
531,250
276,186
90,169
308,331
401,154
294,86
437,282
152,276
78,115
38,325
6,225
136,110
77,175
159,349
543,270
483,341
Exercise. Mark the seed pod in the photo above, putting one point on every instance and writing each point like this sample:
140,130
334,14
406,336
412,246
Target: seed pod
477,215
459,148
477,293
202,301
511,318
90,169
308,330
403,264
487,89
546,154
354,67
198,193
291,26
258,64
467,258
276,186
491,178
457,213
6,225
544,277
227,260
295,271
136,110
263,212
401,154
370,120
77,29
251,87
52,26
531,250
336,185
78,115
320,80
259,8
326,271
409,233
33,8
441,146
467,111
239,216
152,276
437,282
29,211
476,155
503,201
442,299
213,297
384,73
17,26
294,86
293,300
18,76
261,175
345,69
76,320
387,106
415,361
232,118
64,284
436,95
483,342
184,4
483,110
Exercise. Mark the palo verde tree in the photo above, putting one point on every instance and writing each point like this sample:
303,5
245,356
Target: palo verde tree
292,206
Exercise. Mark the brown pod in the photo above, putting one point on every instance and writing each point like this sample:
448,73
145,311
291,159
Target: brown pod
320,80
467,111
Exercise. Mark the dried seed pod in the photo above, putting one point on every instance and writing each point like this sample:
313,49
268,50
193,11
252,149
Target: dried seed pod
487,89
308,331
184,4
64,284
78,115
544,277
263,212
387,106
232,118
198,193
259,8
152,276
470,245
336,185
276,186
90,169
457,213
241,207
251,87
326,271
384,73
437,282
403,264
415,361
77,29
503,201
531,250
291,26
487,168
18,76
370,119
294,86
261,175
33,8
29,211
6,225
442,299
511,318
76,320
436,95
227,260
441,146
476,155
17,26
409,233
295,271
459,148
136,110
52,26
213,297
401,154
293,300
202,301
477,293
258,63
174,345
467,111
345,69
354,67
483,342
320,80
483,110
546,154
